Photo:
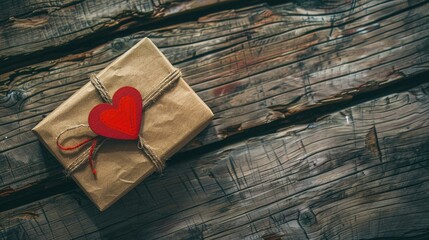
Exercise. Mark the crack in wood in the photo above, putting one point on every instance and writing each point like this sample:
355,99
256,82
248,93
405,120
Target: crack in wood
371,142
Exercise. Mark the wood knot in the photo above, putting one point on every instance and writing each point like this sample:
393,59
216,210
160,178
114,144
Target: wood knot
118,45
13,99
307,218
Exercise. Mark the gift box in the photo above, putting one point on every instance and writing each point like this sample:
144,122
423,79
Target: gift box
107,168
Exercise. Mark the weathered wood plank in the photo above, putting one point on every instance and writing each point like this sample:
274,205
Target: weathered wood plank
358,173
251,66
33,26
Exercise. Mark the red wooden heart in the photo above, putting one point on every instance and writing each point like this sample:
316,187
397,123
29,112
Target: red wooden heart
121,119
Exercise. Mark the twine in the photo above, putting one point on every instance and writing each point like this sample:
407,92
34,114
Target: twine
101,88
148,101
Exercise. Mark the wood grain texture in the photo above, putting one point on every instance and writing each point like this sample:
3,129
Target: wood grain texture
358,173
252,66
33,26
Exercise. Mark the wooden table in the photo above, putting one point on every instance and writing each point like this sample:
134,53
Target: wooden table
321,127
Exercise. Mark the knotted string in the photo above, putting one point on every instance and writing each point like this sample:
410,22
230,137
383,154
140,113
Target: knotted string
74,147
90,152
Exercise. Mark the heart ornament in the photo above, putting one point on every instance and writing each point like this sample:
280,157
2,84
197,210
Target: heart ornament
121,119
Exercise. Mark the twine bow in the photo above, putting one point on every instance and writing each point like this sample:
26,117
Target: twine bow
90,152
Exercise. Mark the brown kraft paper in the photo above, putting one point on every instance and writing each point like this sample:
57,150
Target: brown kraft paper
173,120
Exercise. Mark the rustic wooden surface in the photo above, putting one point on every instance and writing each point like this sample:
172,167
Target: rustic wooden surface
358,173
32,27
259,68
248,66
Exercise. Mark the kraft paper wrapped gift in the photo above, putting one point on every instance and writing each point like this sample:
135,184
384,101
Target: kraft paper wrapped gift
173,119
